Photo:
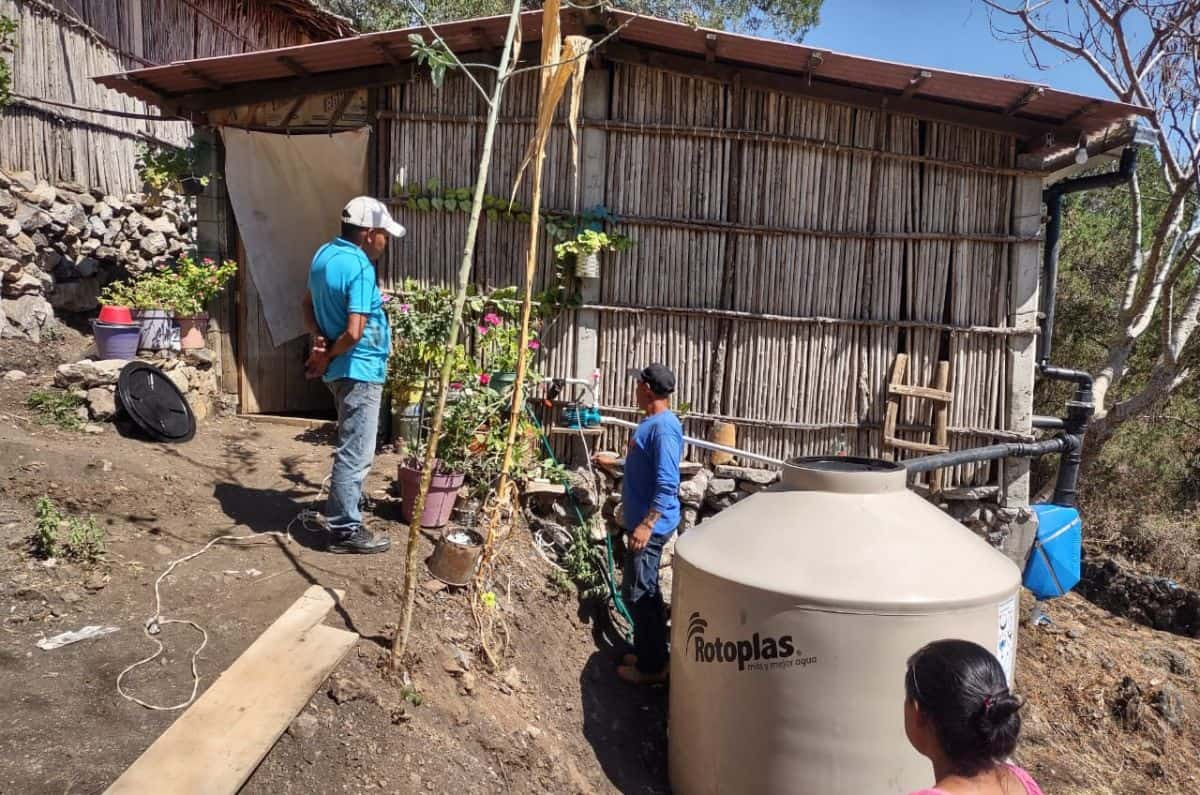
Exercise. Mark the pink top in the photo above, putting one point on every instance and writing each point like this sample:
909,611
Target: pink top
1031,787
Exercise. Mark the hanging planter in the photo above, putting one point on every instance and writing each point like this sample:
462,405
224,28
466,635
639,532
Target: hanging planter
193,186
587,265
586,248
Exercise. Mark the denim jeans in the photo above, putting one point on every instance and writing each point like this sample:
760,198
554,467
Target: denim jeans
640,586
358,422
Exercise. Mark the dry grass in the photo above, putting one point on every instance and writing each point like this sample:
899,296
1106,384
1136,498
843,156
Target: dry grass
1088,729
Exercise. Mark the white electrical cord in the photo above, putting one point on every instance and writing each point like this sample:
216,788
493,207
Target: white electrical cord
153,626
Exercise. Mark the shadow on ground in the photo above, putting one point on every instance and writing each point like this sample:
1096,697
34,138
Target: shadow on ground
626,726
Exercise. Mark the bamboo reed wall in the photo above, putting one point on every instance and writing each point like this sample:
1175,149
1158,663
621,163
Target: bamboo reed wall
60,48
787,250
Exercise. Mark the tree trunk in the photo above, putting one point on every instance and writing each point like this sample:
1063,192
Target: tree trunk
400,642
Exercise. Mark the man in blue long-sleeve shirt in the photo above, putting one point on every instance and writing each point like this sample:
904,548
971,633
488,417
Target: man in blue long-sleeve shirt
650,503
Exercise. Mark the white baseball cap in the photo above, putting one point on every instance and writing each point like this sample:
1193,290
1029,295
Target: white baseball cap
371,214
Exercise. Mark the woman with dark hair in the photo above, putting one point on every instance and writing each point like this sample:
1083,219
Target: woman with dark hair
959,713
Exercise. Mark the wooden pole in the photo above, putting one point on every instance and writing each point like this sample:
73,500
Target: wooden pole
400,642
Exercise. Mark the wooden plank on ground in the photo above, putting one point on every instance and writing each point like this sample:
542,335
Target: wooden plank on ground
295,422
218,742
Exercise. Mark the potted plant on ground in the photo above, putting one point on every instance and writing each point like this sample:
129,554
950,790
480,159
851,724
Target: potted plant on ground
115,331
197,284
586,248
468,415
419,316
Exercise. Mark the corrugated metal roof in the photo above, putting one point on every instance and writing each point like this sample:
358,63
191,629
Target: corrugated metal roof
995,102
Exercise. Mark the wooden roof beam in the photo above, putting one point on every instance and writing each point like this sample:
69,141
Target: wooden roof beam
292,111
1030,95
294,87
389,54
1082,111
293,66
915,82
199,76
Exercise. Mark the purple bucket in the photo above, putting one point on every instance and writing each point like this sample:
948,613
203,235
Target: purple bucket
116,340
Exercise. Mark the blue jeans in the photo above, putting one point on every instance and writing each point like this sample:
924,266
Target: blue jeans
358,422
645,602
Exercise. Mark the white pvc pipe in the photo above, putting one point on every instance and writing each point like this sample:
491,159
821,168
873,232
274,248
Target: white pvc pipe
720,448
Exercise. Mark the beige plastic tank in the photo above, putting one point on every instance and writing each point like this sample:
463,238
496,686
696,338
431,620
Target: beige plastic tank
793,614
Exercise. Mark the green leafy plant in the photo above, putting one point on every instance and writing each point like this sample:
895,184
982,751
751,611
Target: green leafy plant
56,407
420,317
184,288
163,167
8,44
500,344
435,55
69,537
591,241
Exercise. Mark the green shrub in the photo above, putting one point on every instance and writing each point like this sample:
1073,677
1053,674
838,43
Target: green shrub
69,537
56,407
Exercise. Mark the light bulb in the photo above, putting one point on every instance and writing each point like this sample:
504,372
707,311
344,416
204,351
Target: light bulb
1081,155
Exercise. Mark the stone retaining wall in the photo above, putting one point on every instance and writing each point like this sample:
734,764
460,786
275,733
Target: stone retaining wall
1151,601
60,244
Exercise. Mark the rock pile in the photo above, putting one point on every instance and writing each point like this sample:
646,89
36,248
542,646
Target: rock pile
1152,601
60,244
96,383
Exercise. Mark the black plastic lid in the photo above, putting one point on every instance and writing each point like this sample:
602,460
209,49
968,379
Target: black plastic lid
155,404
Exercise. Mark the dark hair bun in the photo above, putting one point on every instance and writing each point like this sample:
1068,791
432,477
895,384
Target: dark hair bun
999,723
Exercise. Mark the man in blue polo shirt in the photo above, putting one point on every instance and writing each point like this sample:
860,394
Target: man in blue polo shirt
650,503
343,310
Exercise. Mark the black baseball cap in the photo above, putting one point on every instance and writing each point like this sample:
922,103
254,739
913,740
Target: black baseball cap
658,377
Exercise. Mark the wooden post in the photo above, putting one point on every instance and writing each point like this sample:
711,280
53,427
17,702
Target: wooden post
899,368
941,412
1025,271
719,377
592,192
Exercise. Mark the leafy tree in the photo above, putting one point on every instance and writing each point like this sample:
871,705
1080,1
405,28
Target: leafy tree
1140,250
786,18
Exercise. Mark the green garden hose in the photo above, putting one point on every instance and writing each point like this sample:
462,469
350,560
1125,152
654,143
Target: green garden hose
613,593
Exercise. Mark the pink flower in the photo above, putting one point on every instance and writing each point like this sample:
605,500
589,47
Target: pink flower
492,319
405,308
534,345
484,379
482,330
456,385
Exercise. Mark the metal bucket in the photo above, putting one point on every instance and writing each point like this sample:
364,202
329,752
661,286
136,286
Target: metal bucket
455,556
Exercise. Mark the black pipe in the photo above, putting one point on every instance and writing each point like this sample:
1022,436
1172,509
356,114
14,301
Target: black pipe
1058,444
1049,423
1052,196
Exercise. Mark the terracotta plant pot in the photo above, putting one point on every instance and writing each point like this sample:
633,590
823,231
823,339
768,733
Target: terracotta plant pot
192,331
439,503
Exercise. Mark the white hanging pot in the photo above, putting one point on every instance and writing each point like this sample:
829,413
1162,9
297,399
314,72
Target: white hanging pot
587,265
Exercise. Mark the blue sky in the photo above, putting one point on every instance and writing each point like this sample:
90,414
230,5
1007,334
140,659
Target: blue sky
949,34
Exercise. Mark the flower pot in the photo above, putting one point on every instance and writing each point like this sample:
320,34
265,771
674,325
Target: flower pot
406,424
192,331
156,328
455,556
116,314
587,265
443,490
191,186
500,382
116,340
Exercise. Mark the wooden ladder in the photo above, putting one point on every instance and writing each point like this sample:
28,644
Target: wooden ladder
940,395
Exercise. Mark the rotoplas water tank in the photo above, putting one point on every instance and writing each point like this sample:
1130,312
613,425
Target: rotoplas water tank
793,615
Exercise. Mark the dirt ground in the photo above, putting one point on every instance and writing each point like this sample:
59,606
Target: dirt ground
552,719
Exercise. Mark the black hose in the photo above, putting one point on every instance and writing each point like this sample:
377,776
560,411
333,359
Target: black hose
1059,444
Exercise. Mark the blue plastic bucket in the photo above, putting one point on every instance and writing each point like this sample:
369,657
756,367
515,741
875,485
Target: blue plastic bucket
116,340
